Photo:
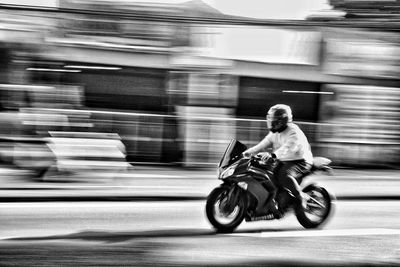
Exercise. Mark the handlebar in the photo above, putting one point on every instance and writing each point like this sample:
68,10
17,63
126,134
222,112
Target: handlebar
264,158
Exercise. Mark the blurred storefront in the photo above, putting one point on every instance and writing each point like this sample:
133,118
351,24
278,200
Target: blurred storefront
362,125
176,88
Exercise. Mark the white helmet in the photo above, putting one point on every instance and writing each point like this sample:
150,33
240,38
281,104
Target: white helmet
278,117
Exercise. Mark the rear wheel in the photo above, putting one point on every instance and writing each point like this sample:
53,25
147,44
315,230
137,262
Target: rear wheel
319,207
222,214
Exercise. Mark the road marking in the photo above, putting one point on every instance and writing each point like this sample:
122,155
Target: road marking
99,205
322,233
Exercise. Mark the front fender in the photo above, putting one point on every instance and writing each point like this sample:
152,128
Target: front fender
232,192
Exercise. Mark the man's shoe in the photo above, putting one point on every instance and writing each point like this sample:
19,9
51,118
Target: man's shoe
273,207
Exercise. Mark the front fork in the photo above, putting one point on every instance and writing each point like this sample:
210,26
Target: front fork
231,199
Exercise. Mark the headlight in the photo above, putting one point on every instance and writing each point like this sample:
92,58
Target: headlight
228,172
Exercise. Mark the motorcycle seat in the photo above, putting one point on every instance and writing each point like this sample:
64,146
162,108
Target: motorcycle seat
321,163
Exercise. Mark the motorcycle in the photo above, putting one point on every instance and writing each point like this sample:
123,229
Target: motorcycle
244,193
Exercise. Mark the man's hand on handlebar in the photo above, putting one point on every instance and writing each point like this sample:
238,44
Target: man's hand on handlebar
246,154
267,157
263,157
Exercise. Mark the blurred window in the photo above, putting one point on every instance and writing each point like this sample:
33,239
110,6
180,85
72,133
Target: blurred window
256,95
139,89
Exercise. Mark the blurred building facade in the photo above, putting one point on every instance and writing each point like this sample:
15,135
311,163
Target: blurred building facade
161,77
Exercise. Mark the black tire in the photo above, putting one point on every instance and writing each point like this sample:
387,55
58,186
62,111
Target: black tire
213,210
319,207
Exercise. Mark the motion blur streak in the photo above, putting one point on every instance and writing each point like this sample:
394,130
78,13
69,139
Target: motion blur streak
128,100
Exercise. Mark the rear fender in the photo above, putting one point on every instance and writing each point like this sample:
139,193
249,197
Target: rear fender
325,187
326,169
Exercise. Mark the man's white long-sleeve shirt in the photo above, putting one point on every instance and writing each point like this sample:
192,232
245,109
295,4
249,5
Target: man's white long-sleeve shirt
290,144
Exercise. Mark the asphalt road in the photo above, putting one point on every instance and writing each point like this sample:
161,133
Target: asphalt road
363,233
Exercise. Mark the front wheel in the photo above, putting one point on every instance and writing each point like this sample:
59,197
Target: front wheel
224,215
319,207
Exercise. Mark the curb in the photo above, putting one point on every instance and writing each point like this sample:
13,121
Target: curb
17,199
99,198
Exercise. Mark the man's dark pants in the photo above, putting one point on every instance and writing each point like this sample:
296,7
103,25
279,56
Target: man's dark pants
288,174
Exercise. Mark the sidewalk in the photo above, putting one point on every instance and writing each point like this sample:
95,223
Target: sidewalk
144,183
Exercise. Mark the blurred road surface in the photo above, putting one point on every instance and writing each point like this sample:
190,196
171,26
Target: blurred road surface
84,220
176,233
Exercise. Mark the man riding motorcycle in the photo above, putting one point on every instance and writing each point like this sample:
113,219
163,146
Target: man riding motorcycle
290,148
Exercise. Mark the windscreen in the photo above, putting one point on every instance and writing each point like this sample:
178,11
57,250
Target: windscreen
232,153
